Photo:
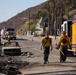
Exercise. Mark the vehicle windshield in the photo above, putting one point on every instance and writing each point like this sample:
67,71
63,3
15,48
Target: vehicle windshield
10,29
11,33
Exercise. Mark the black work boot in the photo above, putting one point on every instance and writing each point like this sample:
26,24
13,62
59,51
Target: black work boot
44,62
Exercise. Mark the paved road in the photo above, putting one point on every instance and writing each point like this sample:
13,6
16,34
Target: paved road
36,66
54,67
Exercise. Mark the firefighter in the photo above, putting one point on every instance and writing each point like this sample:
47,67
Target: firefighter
9,38
63,44
46,44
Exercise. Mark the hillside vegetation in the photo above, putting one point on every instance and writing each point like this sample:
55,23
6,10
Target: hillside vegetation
59,10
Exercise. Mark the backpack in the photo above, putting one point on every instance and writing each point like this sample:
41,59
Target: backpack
63,40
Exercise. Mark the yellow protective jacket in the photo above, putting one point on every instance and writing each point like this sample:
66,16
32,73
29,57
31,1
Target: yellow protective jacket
9,36
64,44
46,41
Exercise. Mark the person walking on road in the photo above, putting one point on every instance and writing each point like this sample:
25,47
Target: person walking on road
63,44
46,44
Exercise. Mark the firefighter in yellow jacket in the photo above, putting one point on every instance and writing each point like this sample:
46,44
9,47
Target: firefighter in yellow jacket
63,44
9,38
46,43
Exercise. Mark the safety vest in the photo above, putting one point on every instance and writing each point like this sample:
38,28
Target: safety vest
67,39
46,41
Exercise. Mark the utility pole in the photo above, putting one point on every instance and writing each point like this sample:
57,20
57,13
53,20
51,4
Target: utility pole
29,22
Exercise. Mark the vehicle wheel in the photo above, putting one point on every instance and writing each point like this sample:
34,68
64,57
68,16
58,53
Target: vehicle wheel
14,38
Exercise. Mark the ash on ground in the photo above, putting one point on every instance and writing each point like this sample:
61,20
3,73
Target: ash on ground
15,62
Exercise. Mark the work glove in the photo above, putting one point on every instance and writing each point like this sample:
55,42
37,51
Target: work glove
41,47
51,48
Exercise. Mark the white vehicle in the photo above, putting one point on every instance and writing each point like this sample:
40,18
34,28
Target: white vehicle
70,28
67,26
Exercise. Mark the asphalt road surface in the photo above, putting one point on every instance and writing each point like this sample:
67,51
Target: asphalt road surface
31,45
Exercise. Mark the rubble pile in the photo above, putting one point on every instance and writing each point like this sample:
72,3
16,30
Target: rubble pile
15,62
6,63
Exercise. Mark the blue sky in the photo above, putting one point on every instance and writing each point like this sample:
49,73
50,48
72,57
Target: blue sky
10,8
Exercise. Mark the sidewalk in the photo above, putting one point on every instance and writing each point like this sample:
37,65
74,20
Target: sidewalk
47,70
